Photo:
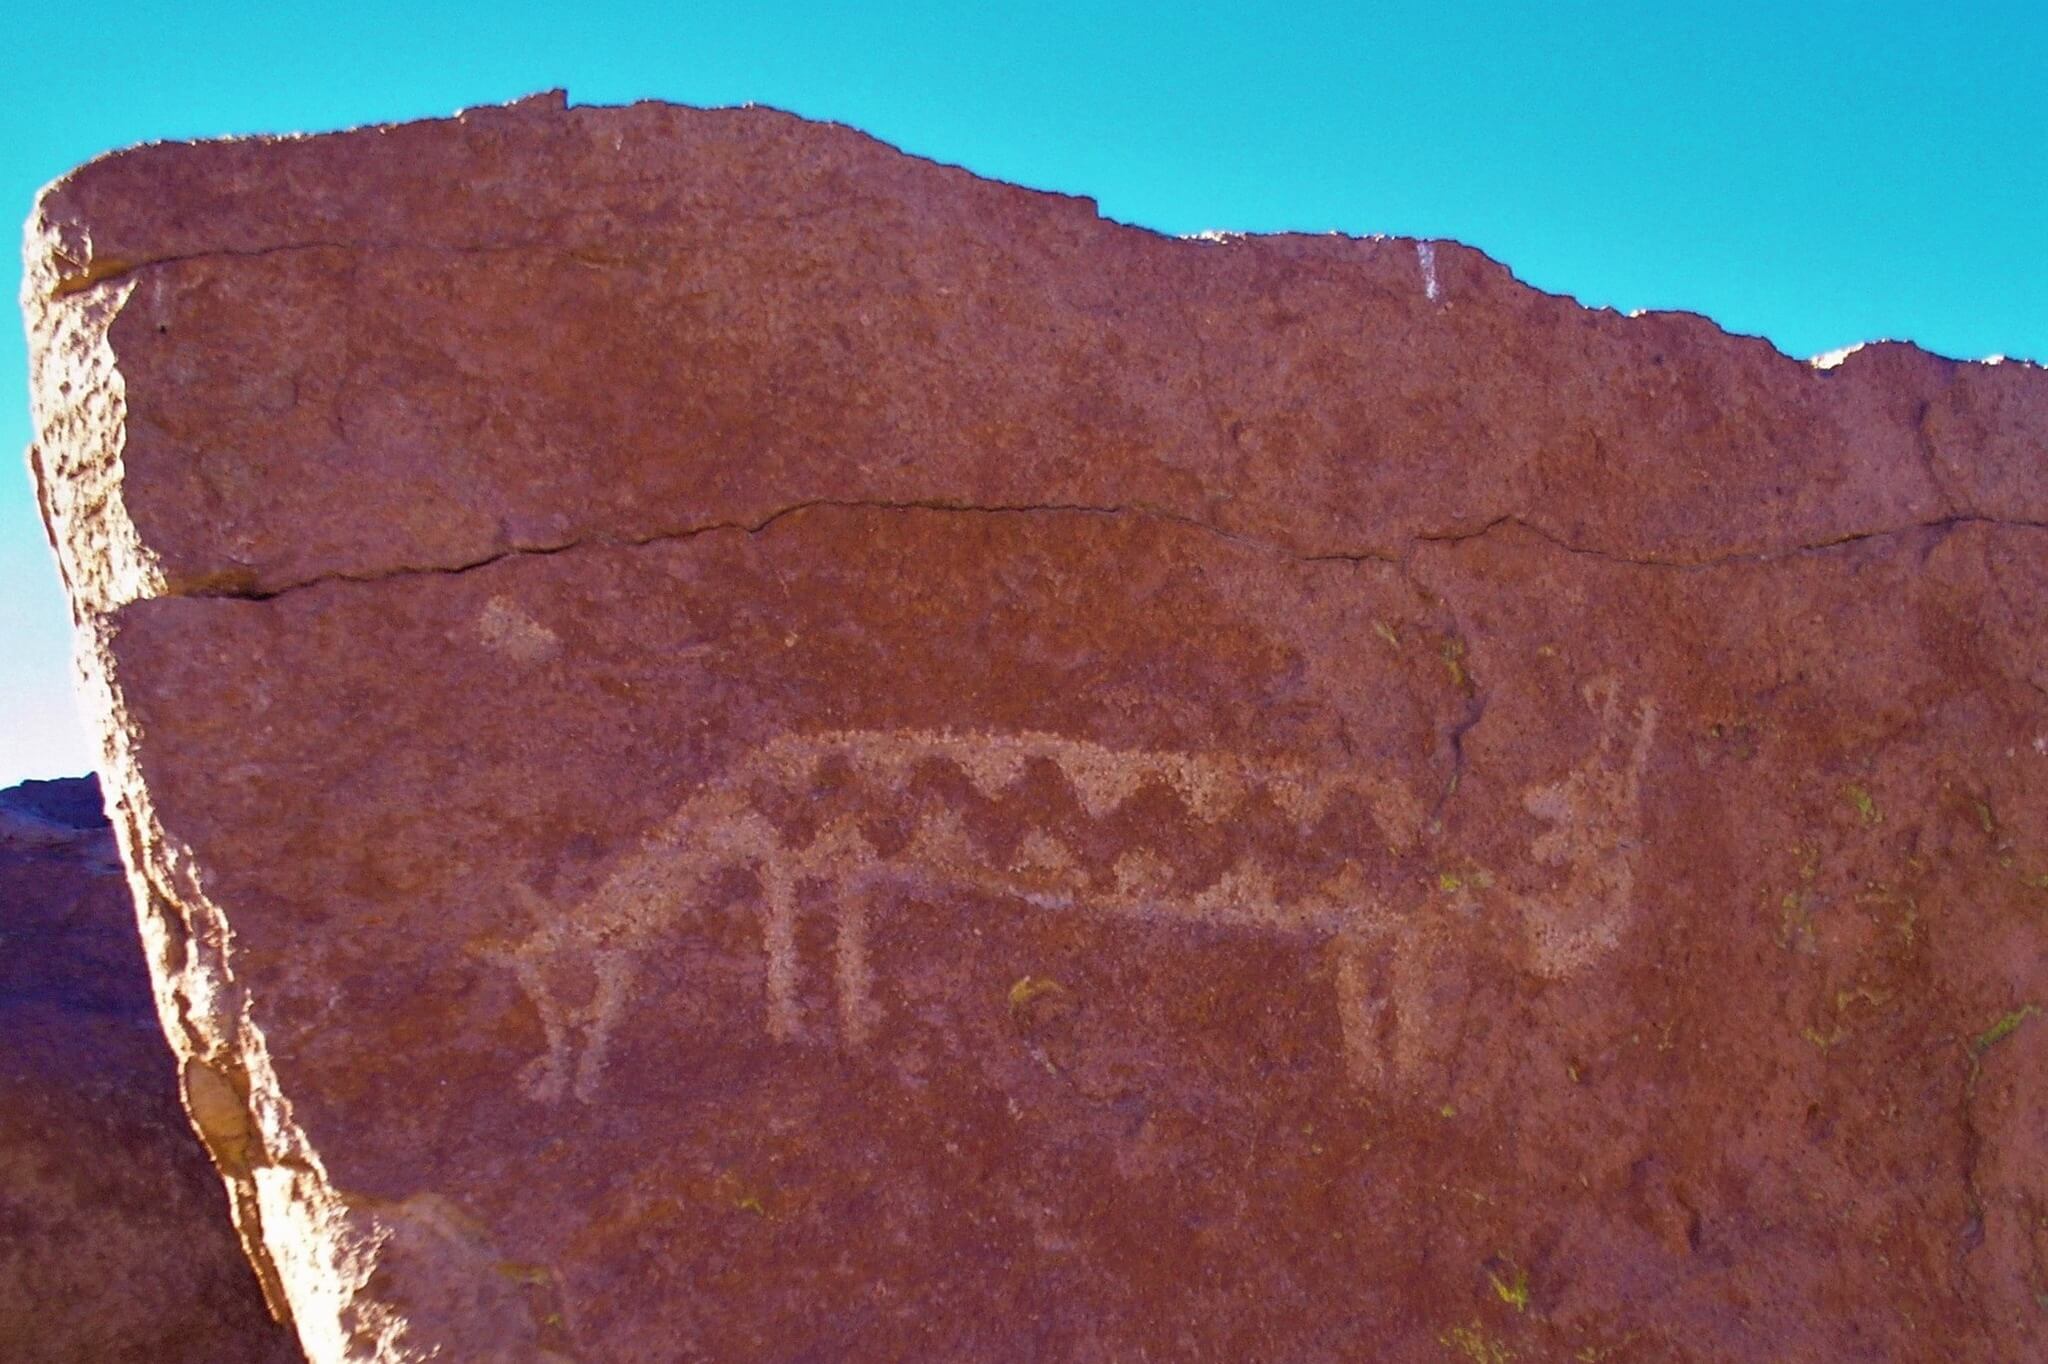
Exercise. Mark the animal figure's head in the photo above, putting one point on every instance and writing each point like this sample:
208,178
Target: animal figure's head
1593,806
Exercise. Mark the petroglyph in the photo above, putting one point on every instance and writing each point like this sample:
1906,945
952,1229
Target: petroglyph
504,627
838,865
1597,811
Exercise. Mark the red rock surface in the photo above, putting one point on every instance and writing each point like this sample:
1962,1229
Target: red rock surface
115,1245
740,746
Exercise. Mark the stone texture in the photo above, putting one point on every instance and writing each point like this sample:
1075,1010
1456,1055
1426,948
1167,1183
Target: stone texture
739,746
114,1237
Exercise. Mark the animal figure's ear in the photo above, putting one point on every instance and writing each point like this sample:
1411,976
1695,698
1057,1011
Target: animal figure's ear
1603,697
1398,813
508,941
1639,755
1646,729
530,900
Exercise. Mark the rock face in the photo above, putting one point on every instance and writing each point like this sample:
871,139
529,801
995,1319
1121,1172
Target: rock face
114,1238
739,746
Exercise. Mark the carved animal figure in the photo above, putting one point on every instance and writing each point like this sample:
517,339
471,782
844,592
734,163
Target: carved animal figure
838,861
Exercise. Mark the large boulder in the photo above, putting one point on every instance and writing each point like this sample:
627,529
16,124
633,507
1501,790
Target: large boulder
115,1244
735,745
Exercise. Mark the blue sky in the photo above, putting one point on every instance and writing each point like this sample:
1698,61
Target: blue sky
1819,174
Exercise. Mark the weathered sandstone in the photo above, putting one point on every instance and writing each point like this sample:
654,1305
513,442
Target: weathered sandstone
735,745
115,1245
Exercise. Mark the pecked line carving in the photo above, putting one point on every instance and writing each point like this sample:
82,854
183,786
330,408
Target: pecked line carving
839,868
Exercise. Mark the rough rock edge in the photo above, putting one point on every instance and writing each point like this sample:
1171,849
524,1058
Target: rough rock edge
313,1248
45,277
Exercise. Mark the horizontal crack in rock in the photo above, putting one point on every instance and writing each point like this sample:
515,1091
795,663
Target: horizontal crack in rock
1367,555
1694,564
740,527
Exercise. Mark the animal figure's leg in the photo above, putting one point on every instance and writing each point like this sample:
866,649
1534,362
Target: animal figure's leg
546,1077
1360,1009
1639,756
778,932
853,977
844,863
613,968
1421,971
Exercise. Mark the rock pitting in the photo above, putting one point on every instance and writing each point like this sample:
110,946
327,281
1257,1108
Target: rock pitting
735,745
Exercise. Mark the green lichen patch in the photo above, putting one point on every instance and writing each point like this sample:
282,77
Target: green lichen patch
1453,654
1986,820
1511,1285
740,1195
1866,809
1474,1344
1796,907
1826,1041
1029,988
1453,880
2004,1026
